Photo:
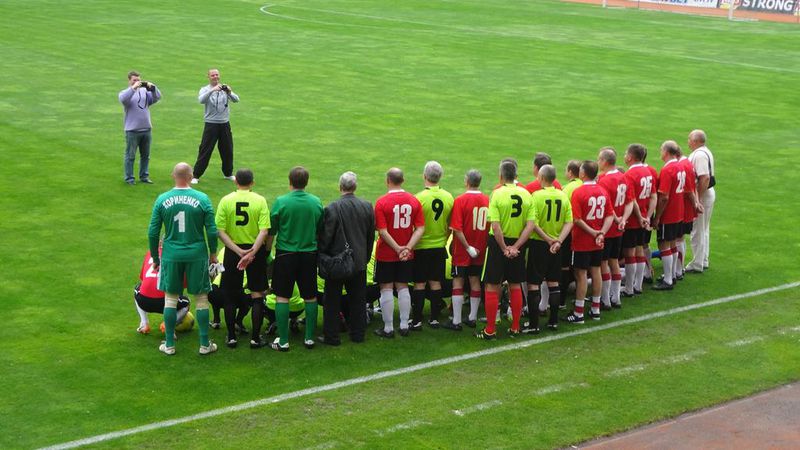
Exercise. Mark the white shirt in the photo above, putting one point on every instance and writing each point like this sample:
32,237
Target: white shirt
703,161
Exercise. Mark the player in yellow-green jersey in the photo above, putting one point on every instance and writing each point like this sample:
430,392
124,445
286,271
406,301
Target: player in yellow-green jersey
511,216
553,225
430,253
243,224
567,277
189,235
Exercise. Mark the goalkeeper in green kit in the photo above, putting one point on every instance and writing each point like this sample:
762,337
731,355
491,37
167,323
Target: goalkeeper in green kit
189,235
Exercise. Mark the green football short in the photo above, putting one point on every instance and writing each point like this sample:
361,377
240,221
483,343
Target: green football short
172,274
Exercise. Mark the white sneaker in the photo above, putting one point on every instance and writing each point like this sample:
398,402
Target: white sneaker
195,180
166,350
232,178
210,348
143,328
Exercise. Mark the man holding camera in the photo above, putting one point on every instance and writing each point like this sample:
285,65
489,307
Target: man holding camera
217,131
136,101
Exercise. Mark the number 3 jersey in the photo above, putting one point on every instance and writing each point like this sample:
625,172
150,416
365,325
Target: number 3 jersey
187,215
512,207
399,213
591,204
437,204
242,214
470,213
552,210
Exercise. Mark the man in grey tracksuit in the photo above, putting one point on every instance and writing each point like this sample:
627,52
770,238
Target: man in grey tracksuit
217,131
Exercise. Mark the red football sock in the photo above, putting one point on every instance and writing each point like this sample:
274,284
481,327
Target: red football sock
516,308
490,304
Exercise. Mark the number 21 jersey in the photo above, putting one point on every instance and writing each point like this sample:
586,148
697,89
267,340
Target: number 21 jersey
399,213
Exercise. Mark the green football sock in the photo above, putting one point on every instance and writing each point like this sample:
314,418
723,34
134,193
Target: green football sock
311,319
170,318
282,317
202,325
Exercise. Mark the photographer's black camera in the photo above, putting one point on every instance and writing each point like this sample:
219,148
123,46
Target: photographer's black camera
224,87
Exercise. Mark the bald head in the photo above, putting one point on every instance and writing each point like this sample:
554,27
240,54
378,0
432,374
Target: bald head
697,139
394,177
182,174
607,158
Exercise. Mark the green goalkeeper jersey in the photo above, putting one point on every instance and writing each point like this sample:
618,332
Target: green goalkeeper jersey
188,219
552,209
437,204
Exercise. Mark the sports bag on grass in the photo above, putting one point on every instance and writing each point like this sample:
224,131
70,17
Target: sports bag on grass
340,266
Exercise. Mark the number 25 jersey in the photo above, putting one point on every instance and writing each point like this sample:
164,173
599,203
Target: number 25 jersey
399,213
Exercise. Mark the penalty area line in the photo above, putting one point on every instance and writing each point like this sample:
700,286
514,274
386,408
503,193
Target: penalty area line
410,369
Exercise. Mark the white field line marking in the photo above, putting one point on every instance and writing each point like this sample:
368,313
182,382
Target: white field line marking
558,388
745,341
324,446
411,369
785,331
402,426
686,357
478,31
476,408
622,371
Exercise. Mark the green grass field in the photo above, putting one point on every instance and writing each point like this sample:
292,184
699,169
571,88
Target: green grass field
365,85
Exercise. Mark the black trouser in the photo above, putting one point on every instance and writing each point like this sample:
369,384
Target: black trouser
356,315
218,134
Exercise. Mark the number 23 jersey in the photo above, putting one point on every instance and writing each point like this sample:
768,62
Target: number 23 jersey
591,204
399,213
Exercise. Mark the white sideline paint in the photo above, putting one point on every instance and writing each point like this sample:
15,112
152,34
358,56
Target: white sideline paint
558,388
686,357
476,408
745,341
323,446
402,426
622,371
411,369
789,330
479,31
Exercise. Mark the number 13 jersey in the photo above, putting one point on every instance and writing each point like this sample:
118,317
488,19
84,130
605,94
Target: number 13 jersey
399,213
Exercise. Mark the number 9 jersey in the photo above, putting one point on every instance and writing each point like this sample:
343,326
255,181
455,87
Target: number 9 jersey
437,204
399,213
470,213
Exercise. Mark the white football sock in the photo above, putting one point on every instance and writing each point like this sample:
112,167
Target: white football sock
614,291
605,291
668,268
142,314
458,302
630,274
387,310
544,302
638,279
404,302
474,303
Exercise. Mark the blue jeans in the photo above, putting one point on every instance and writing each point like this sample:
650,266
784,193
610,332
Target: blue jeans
134,139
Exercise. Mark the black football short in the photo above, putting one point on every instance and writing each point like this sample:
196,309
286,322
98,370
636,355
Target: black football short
155,305
687,227
466,271
566,252
295,267
393,272
542,264
632,238
612,248
233,278
669,231
586,260
429,264
499,268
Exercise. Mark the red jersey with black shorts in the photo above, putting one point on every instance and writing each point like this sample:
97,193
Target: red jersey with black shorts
591,204
672,183
619,193
642,180
534,186
399,212
469,215
149,278
689,214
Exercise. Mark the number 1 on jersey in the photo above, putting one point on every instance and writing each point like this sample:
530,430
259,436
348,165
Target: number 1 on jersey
181,219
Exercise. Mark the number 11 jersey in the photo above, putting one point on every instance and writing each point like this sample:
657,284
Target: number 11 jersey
399,213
